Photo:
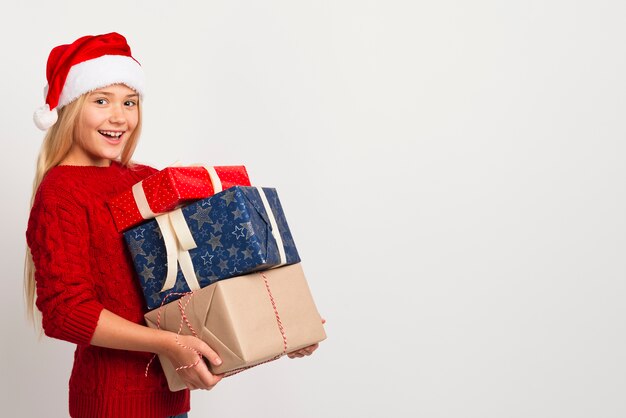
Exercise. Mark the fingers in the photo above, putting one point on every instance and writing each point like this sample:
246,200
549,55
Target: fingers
203,386
207,379
189,351
208,353
209,382
204,349
306,351
199,377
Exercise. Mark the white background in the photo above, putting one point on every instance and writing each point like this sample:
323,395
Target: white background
452,171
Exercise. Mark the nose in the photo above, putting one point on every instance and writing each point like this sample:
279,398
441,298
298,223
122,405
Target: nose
117,115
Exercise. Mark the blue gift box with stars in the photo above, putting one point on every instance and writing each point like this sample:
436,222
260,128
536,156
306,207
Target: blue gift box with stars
234,234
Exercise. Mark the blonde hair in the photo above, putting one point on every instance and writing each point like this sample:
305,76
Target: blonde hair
55,147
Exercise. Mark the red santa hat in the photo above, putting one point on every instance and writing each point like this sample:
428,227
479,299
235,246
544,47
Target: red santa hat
87,64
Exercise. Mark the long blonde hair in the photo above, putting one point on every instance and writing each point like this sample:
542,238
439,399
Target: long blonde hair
55,147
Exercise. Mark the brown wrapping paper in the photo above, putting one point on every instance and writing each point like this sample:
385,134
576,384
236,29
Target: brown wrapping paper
235,317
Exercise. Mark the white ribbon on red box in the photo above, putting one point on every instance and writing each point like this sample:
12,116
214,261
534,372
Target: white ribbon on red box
141,200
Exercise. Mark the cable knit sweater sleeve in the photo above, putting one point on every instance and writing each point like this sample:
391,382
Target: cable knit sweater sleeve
57,236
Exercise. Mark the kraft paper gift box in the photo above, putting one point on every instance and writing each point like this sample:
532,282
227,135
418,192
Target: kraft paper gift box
237,319
170,188
234,232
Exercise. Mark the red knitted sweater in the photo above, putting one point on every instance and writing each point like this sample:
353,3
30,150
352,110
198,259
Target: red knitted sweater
82,266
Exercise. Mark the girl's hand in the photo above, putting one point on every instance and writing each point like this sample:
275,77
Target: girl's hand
198,376
306,351
113,331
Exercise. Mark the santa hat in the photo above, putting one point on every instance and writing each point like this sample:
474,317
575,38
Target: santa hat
87,64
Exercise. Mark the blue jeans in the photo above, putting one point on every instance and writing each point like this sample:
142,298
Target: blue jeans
180,416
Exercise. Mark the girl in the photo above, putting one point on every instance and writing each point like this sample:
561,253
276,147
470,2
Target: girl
78,265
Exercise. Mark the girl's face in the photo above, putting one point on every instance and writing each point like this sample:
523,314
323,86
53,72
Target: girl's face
108,118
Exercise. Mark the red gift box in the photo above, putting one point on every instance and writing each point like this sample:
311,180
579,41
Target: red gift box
170,188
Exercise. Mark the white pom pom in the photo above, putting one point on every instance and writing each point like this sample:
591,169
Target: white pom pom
44,117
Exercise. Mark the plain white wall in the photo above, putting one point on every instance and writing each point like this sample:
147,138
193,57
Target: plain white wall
452,172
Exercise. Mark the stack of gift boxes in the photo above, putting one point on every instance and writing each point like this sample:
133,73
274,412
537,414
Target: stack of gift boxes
215,255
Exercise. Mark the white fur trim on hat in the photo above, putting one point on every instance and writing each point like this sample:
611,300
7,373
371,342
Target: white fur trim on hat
101,72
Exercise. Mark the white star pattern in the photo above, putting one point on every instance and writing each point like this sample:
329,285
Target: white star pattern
239,232
207,258
139,232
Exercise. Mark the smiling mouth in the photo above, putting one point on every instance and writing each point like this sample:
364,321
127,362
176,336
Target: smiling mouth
112,135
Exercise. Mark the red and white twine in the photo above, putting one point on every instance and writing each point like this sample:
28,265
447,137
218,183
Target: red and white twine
185,321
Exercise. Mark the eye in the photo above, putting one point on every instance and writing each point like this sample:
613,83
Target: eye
130,103
100,101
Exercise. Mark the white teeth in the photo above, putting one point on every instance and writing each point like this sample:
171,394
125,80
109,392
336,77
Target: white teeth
112,134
